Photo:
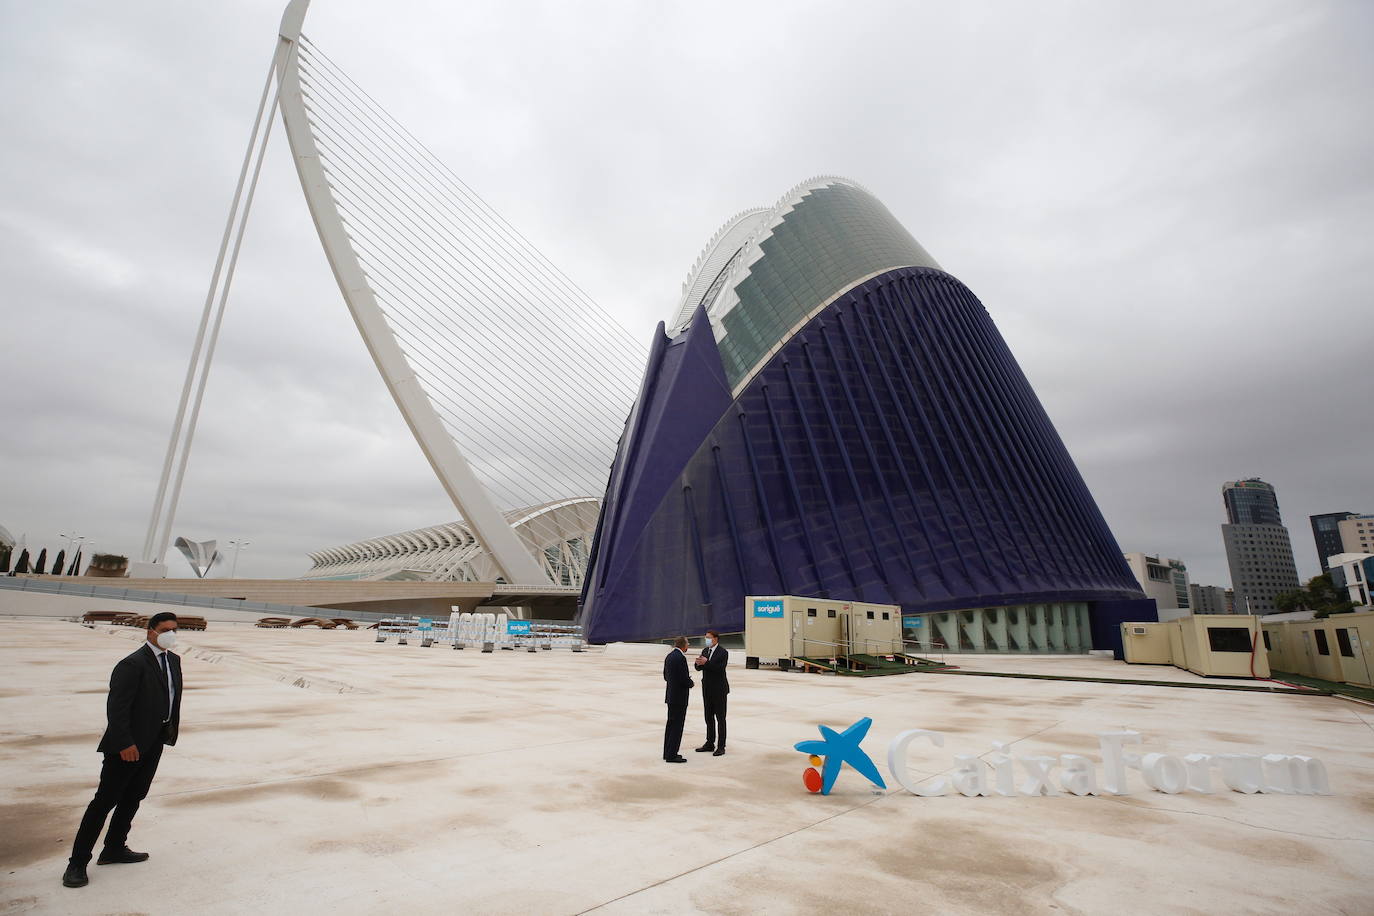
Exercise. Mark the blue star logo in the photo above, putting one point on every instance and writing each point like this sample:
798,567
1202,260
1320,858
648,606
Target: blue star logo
839,748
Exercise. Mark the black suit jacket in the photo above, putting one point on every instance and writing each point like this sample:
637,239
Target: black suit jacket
713,679
677,678
138,703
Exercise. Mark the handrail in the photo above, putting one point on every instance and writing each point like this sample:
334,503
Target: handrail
936,645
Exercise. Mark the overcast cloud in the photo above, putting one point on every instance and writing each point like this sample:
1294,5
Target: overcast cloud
1168,208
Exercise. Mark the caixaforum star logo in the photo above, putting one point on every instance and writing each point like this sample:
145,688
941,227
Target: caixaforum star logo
833,751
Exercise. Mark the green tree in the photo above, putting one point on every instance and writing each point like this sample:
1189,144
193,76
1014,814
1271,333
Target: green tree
1319,595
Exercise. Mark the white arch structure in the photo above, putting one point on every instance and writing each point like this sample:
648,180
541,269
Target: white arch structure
477,337
558,535
456,475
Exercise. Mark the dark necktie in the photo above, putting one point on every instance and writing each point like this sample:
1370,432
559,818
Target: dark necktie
167,680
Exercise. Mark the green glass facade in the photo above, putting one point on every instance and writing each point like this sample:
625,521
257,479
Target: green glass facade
1059,629
832,237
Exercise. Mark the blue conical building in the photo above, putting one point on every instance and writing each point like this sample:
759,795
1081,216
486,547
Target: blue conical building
831,414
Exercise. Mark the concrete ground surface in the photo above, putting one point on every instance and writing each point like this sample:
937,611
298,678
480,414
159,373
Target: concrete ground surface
320,772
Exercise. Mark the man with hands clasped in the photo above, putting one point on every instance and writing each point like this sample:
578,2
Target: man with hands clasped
142,712
715,687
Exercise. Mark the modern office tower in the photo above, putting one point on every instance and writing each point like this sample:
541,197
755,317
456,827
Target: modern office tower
828,413
1251,502
1357,534
1258,550
1326,532
1209,599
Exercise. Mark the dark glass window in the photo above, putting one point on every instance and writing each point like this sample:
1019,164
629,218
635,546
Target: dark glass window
870,615
887,615
1267,647
810,612
830,613
1322,647
1343,643
1229,639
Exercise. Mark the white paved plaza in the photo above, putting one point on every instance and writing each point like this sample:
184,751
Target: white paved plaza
319,772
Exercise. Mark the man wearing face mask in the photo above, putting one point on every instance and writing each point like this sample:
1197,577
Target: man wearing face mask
142,714
715,687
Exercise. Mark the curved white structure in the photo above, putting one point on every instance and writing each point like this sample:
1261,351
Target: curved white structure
559,534
453,470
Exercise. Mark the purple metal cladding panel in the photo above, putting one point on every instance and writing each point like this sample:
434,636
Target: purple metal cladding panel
892,451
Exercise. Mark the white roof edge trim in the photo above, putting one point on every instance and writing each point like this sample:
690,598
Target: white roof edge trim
746,229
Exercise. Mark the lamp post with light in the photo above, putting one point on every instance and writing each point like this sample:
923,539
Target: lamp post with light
237,545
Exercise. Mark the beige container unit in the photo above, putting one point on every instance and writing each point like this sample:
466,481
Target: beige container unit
785,627
1277,642
1178,653
1338,648
1146,644
1355,646
1312,650
875,629
1221,645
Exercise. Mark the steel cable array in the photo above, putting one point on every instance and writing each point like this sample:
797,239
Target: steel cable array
531,378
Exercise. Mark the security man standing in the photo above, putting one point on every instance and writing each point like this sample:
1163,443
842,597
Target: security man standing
142,712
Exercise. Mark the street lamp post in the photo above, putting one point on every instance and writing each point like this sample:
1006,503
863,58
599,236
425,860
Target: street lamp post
76,539
237,545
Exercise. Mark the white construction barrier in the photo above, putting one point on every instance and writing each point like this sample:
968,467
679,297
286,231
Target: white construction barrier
486,630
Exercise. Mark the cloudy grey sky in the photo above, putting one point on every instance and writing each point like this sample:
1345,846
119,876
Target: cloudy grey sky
1168,208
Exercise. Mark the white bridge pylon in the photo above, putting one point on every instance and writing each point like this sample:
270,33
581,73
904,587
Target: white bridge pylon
514,383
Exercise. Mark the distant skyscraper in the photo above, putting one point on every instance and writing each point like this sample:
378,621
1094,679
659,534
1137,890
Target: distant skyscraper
1257,546
1208,599
1326,531
1251,502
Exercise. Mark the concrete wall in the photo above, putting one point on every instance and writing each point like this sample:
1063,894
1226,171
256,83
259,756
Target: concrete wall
386,597
40,604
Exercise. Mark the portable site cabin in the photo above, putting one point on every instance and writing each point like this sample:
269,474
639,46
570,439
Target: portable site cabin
1212,645
784,627
1337,648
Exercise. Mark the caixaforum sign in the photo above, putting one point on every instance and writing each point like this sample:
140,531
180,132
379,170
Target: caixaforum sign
999,772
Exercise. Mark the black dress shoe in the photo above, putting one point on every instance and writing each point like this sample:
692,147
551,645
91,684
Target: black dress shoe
678,759
706,747
122,856
720,752
75,876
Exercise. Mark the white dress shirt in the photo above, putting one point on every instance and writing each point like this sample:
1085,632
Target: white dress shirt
171,690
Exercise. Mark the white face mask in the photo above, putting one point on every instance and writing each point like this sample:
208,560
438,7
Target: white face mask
167,641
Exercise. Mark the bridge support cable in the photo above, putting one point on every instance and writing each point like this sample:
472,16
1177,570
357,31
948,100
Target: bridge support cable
514,382
163,515
462,291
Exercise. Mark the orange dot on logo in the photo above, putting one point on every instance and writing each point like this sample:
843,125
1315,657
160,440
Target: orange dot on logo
811,778
815,761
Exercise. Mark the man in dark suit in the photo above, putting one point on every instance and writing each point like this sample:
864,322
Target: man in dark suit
678,680
142,714
715,687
